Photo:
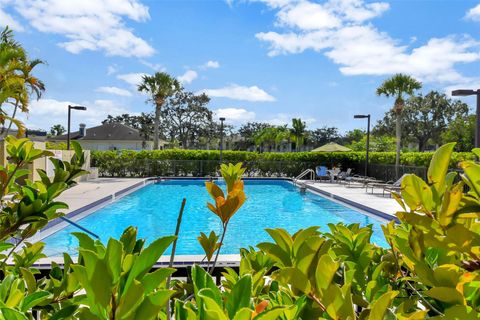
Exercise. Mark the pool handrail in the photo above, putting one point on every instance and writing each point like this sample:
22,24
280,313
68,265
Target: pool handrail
79,227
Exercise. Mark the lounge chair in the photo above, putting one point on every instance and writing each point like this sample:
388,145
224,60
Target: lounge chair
359,181
344,175
333,173
389,186
322,173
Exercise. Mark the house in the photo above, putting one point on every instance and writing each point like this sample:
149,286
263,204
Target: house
109,136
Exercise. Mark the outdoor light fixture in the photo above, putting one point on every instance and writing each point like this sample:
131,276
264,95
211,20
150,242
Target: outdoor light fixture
221,138
69,118
363,116
468,92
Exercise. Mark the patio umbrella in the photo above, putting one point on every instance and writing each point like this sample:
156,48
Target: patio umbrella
331,147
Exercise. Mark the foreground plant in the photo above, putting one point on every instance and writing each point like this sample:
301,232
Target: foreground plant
224,206
430,271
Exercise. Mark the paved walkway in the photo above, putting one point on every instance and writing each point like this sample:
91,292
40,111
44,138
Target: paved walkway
375,201
87,192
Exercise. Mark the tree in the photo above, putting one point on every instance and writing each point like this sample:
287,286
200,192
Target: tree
298,132
271,137
17,83
424,118
33,86
398,86
462,131
377,144
186,117
353,136
249,131
160,86
321,136
57,130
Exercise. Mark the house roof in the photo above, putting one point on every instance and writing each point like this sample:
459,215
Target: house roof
107,131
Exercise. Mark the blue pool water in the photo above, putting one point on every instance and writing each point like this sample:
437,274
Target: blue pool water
154,209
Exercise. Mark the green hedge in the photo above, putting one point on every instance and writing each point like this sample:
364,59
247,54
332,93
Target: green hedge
203,162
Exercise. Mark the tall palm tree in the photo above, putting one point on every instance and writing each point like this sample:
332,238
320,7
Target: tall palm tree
298,132
17,83
32,86
398,86
160,86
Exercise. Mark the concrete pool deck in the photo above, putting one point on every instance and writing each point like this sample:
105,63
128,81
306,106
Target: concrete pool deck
357,197
87,192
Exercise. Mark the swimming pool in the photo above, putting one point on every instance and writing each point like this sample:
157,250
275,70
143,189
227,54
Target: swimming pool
154,209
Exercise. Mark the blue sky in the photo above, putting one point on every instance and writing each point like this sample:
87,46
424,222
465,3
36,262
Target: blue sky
265,60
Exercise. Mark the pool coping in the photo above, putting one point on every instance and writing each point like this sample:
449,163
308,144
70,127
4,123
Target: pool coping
57,224
225,260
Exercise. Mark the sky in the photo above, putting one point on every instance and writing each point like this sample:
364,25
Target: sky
258,60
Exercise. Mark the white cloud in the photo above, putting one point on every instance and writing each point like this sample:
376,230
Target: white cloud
111,70
154,66
472,83
281,119
236,115
474,13
359,48
7,20
132,78
115,90
308,16
89,24
237,92
44,113
188,76
211,64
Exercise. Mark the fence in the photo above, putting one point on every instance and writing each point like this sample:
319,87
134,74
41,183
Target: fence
259,168
386,172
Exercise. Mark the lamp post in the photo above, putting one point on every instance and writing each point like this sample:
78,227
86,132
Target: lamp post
69,118
221,138
363,116
466,92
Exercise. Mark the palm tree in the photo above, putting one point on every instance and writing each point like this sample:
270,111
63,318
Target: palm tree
32,86
282,134
17,83
160,86
298,132
397,86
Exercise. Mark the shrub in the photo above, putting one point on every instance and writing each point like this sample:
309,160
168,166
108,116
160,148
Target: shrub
202,162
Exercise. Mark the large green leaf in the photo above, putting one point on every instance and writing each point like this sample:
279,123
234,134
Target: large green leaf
202,280
293,276
34,299
446,294
240,295
152,304
130,300
153,280
439,166
211,309
326,269
148,258
12,314
380,306
417,194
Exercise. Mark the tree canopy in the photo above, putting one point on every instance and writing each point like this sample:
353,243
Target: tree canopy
424,119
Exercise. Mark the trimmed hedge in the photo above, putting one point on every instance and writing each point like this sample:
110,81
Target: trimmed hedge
205,162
